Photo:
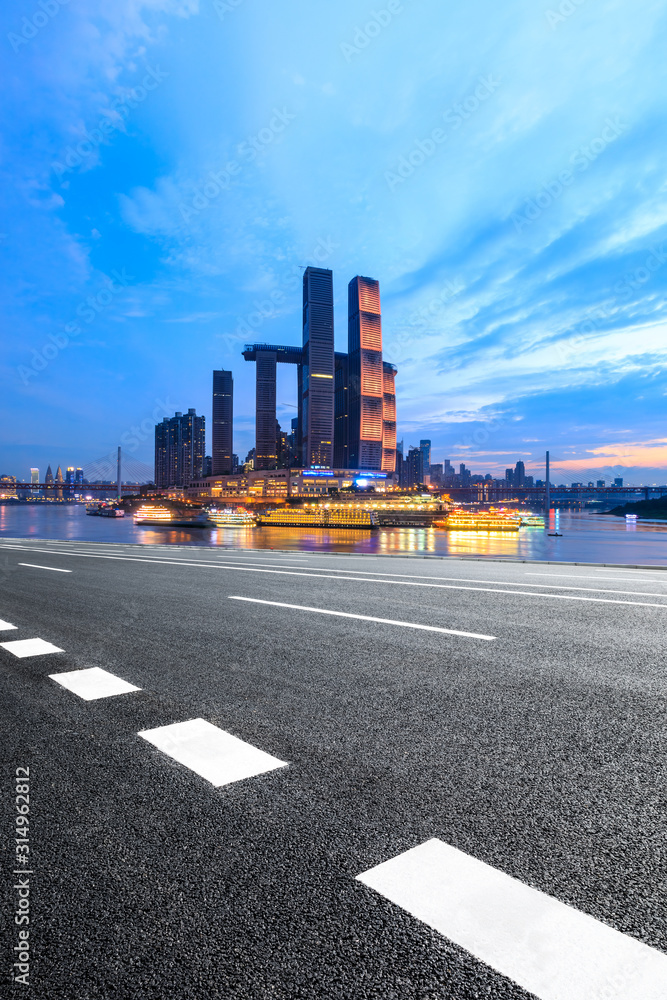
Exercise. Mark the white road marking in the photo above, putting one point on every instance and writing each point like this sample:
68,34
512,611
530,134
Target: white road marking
367,618
398,583
93,683
211,752
55,569
548,948
460,579
4,626
608,579
30,647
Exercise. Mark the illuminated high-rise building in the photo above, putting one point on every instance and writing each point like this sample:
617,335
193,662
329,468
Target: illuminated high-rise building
179,449
78,478
223,415
316,395
388,417
366,381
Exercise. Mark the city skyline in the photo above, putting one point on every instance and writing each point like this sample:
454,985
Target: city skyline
522,306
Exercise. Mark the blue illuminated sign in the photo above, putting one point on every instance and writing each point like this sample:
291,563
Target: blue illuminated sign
318,473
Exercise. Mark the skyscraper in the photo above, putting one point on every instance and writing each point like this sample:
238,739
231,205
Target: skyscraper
48,478
415,467
265,411
366,381
179,449
340,410
388,417
223,415
519,478
316,417
78,478
425,448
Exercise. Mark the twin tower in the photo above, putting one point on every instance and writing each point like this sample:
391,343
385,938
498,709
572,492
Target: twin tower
346,402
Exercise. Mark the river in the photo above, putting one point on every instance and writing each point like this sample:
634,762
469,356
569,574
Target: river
585,537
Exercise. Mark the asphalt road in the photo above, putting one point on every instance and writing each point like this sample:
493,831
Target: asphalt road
533,742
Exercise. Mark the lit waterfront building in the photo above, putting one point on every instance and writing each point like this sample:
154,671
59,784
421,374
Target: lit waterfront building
222,429
283,483
179,449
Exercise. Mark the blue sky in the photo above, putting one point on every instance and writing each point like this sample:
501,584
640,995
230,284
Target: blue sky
169,165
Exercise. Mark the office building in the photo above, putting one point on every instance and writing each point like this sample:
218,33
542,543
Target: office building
78,477
618,482
222,428
316,419
414,467
266,357
366,383
388,417
425,448
341,402
179,449
519,474
346,401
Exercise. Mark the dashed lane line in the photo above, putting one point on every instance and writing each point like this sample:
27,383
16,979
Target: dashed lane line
548,948
93,683
30,647
211,752
367,618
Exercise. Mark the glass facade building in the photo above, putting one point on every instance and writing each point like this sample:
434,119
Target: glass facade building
222,429
179,449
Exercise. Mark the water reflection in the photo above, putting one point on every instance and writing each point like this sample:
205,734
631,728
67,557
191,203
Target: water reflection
584,537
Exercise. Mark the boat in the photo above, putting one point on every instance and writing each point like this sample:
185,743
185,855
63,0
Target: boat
111,512
93,509
461,521
232,517
532,521
319,517
151,515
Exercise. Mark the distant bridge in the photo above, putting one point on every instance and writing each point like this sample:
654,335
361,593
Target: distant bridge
493,492
70,488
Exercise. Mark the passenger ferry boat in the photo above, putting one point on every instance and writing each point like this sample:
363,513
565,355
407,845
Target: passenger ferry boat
532,521
154,516
232,517
319,517
105,511
93,509
464,521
